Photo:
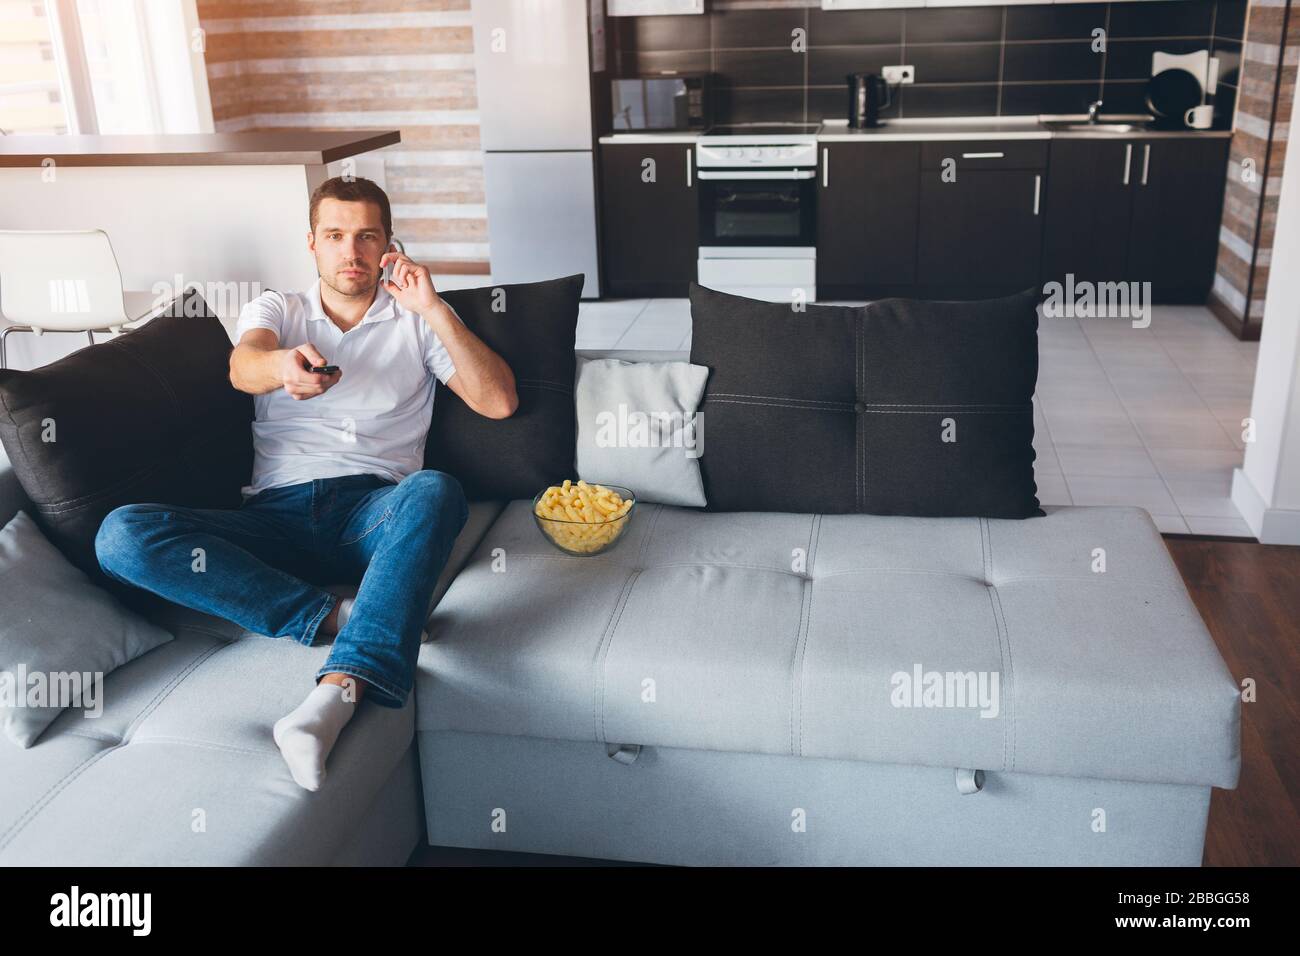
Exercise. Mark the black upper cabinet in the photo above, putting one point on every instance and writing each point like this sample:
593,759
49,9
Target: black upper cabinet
1142,210
649,218
866,219
1088,208
1177,201
981,232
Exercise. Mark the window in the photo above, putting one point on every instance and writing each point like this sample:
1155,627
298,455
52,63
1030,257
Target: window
102,66
31,99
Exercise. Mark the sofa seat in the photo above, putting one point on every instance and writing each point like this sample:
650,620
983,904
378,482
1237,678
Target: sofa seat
789,636
181,768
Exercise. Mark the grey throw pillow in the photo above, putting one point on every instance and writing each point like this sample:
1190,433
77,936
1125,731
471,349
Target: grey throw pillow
638,427
59,634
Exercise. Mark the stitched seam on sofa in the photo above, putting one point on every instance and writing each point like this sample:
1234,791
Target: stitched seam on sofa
176,403
1000,621
802,408
1094,580
109,739
602,656
818,401
1016,406
785,398
1011,677
801,641
205,745
18,434
607,639
1002,658
63,783
68,505
937,411
886,569
984,553
541,383
645,540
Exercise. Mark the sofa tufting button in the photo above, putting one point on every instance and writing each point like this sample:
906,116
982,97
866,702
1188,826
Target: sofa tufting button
859,407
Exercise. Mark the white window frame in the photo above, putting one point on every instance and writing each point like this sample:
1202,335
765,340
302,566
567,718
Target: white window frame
74,68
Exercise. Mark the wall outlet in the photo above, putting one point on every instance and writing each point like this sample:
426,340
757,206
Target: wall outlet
898,75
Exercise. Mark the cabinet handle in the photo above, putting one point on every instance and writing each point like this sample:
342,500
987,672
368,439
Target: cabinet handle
1128,158
688,168
1038,182
826,167
1146,161
983,155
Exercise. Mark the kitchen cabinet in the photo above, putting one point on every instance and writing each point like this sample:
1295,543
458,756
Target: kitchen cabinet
1089,209
1139,210
981,224
867,202
649,218
1177,202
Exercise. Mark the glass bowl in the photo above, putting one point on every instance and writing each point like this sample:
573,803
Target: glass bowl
585,538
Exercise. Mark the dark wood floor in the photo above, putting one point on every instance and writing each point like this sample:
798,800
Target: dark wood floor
1249,596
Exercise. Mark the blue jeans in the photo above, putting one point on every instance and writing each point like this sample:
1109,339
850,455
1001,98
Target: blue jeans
262,564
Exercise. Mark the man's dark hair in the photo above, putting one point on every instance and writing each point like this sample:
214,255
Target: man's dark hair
355,189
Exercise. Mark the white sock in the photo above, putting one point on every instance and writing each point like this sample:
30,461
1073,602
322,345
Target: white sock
345,612
307,734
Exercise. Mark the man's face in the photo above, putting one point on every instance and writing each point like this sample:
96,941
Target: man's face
348,243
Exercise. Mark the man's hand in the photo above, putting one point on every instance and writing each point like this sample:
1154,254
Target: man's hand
412,286
295,374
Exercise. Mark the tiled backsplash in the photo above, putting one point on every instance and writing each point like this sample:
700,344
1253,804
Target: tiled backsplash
970,61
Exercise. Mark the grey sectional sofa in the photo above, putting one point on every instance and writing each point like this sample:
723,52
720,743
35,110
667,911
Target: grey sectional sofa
716,689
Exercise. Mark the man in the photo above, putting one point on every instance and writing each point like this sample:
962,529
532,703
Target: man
337,491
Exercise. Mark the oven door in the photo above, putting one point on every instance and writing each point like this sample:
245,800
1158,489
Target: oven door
757,207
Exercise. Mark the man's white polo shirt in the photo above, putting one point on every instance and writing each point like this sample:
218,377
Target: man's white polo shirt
374,420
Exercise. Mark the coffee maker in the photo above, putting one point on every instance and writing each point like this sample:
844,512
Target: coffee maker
869,93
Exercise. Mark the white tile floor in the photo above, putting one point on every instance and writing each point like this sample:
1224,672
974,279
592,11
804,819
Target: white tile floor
1148,417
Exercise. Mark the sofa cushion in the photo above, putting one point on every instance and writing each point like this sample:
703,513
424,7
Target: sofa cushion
904,406
123,789
799,634
780,390
58,631
532,326
638,426
149,415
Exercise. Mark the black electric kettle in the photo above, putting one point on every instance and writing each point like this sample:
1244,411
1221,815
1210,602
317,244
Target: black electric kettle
868,95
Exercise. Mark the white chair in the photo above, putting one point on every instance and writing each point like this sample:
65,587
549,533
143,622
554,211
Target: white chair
59,281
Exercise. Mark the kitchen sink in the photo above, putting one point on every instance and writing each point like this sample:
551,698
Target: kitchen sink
1101,126
1079,122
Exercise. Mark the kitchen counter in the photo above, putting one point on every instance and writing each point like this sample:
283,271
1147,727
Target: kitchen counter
963,128
271,148
225,212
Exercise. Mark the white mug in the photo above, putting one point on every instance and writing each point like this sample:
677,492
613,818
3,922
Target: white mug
1199,117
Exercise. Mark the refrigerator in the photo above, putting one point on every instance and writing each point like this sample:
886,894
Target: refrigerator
533,74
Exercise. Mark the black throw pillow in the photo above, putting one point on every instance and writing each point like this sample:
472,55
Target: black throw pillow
149,415
901,407
532,326
778,415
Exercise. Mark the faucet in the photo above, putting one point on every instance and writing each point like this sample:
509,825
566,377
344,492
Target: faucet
1093,107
